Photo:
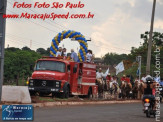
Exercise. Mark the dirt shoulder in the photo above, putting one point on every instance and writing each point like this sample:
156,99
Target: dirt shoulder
50,102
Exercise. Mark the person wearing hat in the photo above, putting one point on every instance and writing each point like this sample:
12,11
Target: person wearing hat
123,79
108,80
100,82
108,77
99,75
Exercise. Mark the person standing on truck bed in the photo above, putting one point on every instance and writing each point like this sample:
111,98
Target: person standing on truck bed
59,52
74,56
89,56
64,54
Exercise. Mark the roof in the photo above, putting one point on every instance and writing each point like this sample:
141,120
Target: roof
55,59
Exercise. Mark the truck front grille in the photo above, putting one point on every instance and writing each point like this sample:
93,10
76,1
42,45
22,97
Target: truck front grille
46,83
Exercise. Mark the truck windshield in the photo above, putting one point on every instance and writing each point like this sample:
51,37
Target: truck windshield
50,65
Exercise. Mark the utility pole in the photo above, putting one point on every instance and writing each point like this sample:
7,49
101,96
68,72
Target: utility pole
150,40
139,60
3,5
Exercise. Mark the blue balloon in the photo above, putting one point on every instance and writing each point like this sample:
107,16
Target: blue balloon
83,58
80,51
51,48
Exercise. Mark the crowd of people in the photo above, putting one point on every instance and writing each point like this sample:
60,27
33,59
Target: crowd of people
73,55
106,82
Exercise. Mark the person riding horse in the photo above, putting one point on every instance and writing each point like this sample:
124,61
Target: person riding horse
100,82
108,80
135,88
126,86
114,85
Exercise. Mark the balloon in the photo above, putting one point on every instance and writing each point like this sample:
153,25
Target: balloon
70,34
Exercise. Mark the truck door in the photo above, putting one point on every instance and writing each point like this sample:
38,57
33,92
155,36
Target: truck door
74,77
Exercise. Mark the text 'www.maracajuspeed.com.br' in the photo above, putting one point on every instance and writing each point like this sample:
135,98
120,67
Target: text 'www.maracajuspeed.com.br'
52,16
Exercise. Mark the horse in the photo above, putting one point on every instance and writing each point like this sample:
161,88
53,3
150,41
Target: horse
123,93
126,88
100,84
113,88
140,90
135,90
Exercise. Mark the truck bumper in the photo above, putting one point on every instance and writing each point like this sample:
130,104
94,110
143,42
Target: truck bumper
42,89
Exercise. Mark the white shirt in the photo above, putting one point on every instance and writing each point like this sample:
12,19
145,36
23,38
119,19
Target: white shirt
89,57
143,79
114,81
58,53
65,54
99,75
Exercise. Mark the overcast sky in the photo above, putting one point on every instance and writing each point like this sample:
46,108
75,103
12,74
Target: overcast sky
116,26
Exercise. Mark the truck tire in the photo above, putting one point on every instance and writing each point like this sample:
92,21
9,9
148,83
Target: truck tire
66,93
32,93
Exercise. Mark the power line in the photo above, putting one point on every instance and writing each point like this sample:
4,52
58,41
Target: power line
64,27
18,37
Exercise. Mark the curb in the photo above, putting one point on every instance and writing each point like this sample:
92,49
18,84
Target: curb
51,104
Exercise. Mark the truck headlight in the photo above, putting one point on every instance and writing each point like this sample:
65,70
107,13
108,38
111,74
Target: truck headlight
31,84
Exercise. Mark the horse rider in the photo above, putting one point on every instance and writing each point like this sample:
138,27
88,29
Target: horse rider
108,80
100,81
114,82
99,76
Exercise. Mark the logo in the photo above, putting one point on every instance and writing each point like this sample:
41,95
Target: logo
43,83
17,112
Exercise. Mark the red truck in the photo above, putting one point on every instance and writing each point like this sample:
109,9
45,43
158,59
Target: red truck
63,78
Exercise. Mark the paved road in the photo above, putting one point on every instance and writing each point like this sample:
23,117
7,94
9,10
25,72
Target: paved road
93,113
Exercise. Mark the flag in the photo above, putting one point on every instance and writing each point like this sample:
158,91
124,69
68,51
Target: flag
137,72
106,73
120,67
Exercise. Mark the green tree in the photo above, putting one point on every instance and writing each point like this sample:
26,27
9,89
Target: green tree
17,64
41,51
26,48
113,58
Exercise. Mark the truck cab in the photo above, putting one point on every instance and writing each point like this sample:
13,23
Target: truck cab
63,78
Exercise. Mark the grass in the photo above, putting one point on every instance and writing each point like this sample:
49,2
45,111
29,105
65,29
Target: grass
46,99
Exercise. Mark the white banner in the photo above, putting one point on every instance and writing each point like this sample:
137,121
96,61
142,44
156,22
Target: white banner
106,73
120,67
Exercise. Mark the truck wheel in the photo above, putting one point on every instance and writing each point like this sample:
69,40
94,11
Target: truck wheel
66,93
32,93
